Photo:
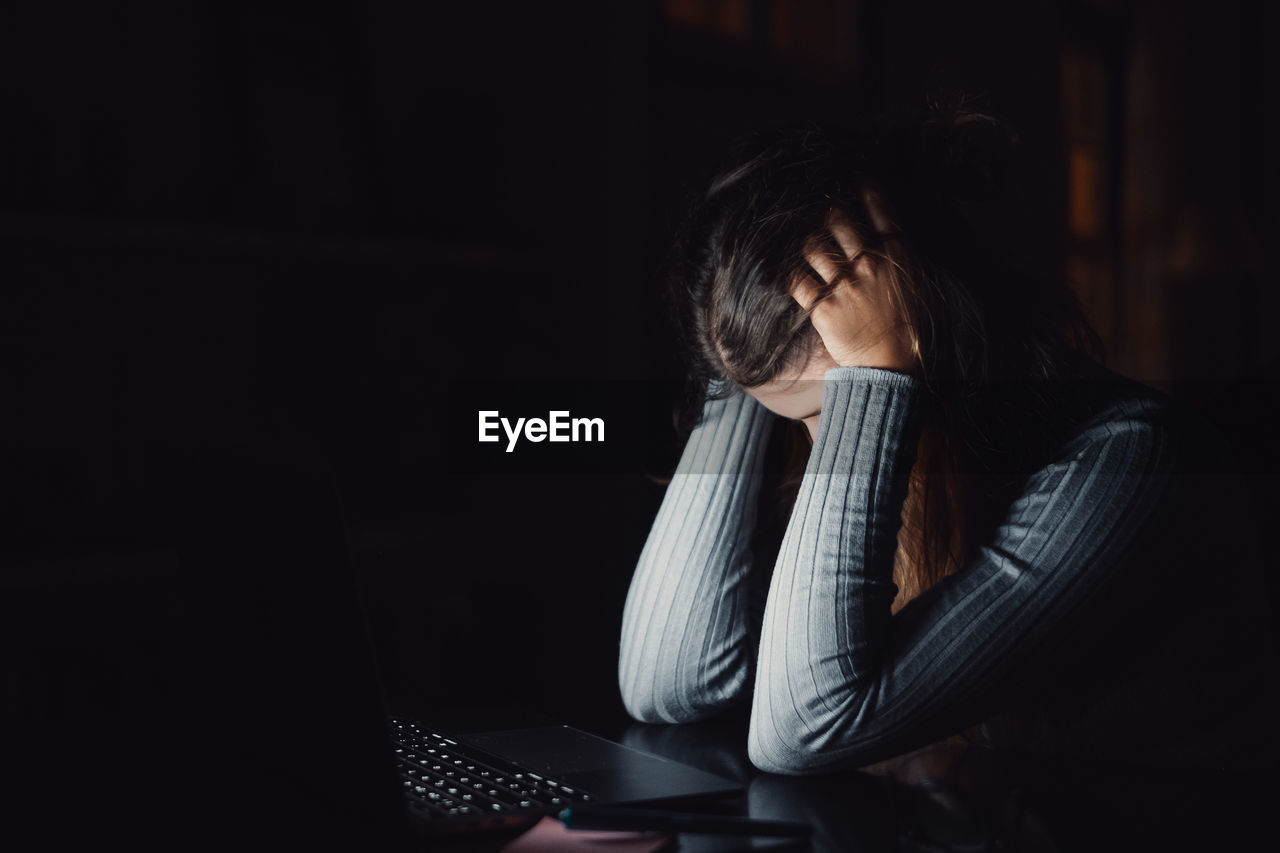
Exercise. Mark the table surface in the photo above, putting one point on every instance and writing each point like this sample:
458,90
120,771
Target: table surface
956,796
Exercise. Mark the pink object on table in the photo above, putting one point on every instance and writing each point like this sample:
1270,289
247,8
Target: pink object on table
550,836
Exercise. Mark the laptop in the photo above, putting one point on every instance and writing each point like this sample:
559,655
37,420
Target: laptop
512,777
299,702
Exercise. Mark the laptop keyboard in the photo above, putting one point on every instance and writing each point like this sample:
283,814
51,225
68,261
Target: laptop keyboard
443,778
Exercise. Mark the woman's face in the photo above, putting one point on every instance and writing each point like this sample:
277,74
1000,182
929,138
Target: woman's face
797,392
860,323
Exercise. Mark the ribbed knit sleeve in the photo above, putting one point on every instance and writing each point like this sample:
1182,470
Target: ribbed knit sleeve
685,651
842,683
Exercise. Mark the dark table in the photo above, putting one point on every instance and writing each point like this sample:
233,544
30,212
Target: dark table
958,796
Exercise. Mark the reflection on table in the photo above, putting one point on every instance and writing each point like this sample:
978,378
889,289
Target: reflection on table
960,796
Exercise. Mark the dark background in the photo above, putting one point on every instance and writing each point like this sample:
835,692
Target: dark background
314,226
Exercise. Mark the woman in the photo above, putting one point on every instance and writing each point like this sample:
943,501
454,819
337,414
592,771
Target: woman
991,530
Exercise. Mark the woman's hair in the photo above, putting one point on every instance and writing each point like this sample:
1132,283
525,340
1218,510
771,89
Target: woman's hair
999,348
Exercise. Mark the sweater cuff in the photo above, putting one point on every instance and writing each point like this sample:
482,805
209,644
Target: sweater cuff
873,374
870,423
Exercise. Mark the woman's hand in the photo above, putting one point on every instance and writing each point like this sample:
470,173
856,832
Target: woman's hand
861,323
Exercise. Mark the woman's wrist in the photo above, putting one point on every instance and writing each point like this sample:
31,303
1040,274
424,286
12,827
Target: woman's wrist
873,374
868,404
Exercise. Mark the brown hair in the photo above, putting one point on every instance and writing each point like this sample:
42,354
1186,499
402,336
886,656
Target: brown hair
999,347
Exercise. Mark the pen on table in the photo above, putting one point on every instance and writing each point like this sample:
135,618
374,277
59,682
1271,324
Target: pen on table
644,820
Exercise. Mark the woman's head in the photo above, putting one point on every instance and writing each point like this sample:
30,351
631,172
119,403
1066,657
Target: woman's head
992,344
863,323
907,192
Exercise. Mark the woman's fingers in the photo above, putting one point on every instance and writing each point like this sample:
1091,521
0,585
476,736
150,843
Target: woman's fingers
804,291
876,212
840,318
858,321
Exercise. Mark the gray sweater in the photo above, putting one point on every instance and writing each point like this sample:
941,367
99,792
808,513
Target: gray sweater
836,681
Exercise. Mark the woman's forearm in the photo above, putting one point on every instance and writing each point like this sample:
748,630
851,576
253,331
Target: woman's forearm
829,600
685,651
840,682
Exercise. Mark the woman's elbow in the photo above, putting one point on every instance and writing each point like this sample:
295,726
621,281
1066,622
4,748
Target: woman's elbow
780,749
656,710
640,710
788,740
654,697
644,703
